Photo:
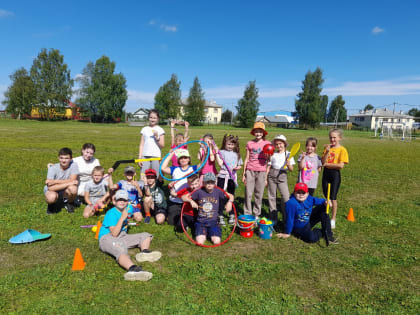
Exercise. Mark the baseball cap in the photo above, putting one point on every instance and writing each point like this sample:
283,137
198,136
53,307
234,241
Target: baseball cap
209,177
129,169
150,172
301,187
121,194
182,152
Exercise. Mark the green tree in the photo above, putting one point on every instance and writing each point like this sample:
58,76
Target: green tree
227,116
248,106
194,109
168,98
324,108
52,82
20,95
337,110
368,107
102,93
310,102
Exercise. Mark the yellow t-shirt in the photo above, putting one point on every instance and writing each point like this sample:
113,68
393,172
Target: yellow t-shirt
338,155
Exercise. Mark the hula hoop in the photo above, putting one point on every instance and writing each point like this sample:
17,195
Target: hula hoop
214,245
192,173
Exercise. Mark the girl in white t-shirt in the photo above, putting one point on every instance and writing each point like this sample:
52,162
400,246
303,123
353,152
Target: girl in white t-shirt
86,163
151,143
277,177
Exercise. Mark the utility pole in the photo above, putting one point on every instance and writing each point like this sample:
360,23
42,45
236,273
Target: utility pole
336,117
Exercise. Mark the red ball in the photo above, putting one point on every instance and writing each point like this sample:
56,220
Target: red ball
268,149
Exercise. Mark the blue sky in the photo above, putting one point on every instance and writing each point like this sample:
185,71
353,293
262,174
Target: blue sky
369,50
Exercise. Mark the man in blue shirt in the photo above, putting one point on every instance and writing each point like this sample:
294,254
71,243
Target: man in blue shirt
303,212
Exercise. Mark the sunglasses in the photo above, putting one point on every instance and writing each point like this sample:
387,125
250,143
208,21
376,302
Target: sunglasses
151,176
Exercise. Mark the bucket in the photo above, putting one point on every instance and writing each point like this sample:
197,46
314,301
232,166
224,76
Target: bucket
266,230
246,223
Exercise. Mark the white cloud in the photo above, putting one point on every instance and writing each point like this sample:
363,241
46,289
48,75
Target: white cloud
5,14
400,86
168,28
141,96
152,22
377,30
79,76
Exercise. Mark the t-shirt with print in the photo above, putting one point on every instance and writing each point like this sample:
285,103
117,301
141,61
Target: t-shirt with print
232,160
158,197
309,174
96,191
111,219
338,155
278,160
151,147
208,204
178,172
133,194
256,160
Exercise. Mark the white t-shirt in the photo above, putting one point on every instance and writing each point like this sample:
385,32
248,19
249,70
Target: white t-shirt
278,160
151,147
178,172
85,171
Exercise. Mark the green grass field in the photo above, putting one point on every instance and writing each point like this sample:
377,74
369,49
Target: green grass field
374,269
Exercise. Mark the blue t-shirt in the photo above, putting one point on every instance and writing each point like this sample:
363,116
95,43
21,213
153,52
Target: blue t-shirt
299,213
111,219
208,204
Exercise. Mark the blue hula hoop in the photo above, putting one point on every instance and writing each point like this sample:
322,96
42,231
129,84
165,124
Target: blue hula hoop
186,176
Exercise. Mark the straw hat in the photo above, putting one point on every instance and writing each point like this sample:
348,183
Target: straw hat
259,125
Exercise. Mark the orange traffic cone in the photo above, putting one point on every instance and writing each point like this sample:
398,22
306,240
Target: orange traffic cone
78,262
98,227
350,216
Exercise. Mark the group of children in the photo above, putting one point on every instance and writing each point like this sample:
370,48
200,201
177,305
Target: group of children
205,195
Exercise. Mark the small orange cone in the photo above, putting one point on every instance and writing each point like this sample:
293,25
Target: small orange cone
78,262
350,216
98,228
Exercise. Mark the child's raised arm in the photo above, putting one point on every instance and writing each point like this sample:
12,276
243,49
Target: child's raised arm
172,132
186,133
164,167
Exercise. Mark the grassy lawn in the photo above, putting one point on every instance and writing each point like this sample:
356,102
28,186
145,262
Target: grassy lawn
374,269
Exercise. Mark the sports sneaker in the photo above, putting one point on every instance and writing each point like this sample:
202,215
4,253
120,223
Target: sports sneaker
69,207
231,220
221,220
77,202
147,255
51,209
332,240
135,273
332,224
147,219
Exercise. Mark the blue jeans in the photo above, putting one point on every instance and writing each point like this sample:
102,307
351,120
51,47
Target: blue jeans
309,235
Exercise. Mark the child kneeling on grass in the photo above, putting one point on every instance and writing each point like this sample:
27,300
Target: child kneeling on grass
154,199
114,240
208,200
304,211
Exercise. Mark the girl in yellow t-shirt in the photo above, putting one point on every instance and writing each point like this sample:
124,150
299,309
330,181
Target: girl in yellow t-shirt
333,159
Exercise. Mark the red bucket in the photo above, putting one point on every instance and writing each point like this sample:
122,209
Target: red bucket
246,225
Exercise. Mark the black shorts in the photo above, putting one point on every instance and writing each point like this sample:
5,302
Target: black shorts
230,185
332,177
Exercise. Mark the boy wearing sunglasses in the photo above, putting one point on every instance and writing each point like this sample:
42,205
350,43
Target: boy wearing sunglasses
303,212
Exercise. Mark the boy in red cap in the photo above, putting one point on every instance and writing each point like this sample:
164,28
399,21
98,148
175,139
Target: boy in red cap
303,212
154,198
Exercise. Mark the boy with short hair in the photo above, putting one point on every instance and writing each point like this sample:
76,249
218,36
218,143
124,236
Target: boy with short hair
131,186
61,183
96,192
208,201
154,198
304,211
188,216
114,240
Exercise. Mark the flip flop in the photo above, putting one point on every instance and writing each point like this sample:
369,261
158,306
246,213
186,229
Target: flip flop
28,236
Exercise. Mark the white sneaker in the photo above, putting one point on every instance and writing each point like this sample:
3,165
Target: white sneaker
332,224
138,276
150,257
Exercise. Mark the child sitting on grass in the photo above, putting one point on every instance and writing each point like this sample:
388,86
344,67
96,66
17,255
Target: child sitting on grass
304,211
131,186
188,216
114,240
154,199
61,184
96,192
208,200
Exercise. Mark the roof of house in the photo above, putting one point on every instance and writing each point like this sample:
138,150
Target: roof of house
381,113
141,110
276,119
